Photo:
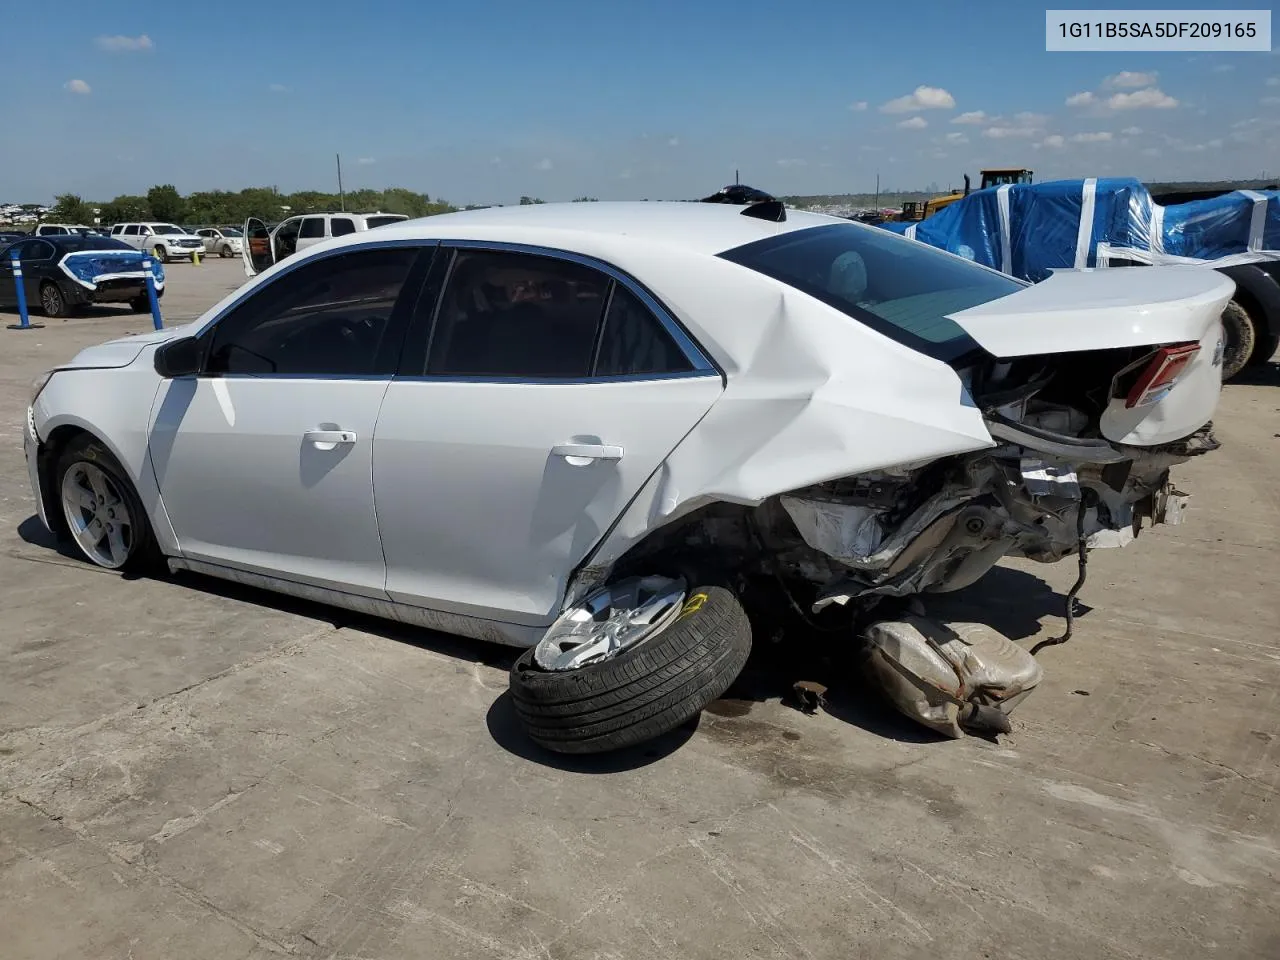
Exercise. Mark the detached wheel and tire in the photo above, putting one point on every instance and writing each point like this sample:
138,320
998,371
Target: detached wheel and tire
1240,334
105,518
633,661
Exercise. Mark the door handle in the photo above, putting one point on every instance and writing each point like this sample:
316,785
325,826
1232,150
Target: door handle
586,451
328,439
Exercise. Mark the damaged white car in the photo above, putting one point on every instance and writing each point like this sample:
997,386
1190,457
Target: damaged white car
597,430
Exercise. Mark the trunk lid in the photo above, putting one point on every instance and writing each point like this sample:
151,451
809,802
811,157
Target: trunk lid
1095,309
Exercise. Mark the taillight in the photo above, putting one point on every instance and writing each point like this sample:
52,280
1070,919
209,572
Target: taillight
1160,374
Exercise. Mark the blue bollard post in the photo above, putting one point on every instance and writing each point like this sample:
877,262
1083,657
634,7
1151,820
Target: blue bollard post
151,294
24,319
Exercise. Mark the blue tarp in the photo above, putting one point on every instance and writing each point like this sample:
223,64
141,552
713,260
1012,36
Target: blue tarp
1027,230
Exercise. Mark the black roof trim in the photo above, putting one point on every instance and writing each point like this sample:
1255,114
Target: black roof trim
767,210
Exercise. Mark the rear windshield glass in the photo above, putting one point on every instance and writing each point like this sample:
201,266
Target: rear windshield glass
382,221
903,289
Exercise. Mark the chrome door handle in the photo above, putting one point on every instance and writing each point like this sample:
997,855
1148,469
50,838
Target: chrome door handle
586,451
328,439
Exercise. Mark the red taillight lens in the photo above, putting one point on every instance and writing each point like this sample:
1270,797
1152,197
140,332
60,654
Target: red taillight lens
1159,376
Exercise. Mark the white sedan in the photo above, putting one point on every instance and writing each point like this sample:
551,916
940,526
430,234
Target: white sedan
598,430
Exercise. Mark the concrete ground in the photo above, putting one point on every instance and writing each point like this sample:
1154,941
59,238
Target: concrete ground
190,770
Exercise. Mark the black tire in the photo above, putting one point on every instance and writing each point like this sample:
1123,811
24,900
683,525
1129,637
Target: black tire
53,303
1241,336
646,690
144,555
160,253
140,304
225,251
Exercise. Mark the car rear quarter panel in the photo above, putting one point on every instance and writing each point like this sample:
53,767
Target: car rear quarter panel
113,405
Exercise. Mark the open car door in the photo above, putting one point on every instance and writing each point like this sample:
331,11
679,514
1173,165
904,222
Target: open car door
257,249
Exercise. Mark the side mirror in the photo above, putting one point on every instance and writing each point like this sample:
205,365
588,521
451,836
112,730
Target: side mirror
178,358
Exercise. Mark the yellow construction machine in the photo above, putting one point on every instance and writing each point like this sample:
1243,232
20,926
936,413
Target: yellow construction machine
992,177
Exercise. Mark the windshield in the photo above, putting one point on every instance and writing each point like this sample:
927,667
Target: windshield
167,228
230,232
900,288
382,221
92,242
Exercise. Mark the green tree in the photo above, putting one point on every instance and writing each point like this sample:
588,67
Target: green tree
69,208
166,203
125,208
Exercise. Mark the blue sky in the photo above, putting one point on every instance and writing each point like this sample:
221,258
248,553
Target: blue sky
484,102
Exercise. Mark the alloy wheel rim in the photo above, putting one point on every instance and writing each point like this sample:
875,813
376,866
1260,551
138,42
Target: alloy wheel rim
97,514
610,620
51,300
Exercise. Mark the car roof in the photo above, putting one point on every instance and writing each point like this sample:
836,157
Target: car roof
707,228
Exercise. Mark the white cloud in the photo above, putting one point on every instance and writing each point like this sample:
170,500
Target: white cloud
1273,81
1027,118
793,162
1100,136
973,116
1224,68
859,106
1150,97
121,44
915,123
1081,99
922,98
1009,133
365,161
78,86
544,164
1130,79
1055,141
278,88
1131,131
957,137
1270,101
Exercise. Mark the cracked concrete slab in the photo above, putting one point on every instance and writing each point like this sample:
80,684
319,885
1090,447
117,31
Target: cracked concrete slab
189,769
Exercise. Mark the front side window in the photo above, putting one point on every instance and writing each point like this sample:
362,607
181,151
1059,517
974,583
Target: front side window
327,318
312,228
516,315
168,229
904,290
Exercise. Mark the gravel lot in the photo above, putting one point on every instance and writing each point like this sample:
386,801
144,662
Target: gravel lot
191,770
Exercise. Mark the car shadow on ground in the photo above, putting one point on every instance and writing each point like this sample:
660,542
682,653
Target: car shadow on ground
785,652
1263,375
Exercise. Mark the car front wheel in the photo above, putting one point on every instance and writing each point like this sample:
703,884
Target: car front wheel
160,253
634,660
226,251
105,519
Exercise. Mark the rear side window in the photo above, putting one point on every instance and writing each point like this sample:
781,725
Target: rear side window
903,289
341,226
312,227
371,222
634,342
131,230
516,315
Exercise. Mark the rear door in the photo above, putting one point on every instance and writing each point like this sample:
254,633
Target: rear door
537,395
311,232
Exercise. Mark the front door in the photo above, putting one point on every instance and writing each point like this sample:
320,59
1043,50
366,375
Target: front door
504,458
264,459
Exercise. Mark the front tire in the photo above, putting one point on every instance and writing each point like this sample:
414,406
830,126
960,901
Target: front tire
1241,336
226,252
643,691
160,253
52,302
105,518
